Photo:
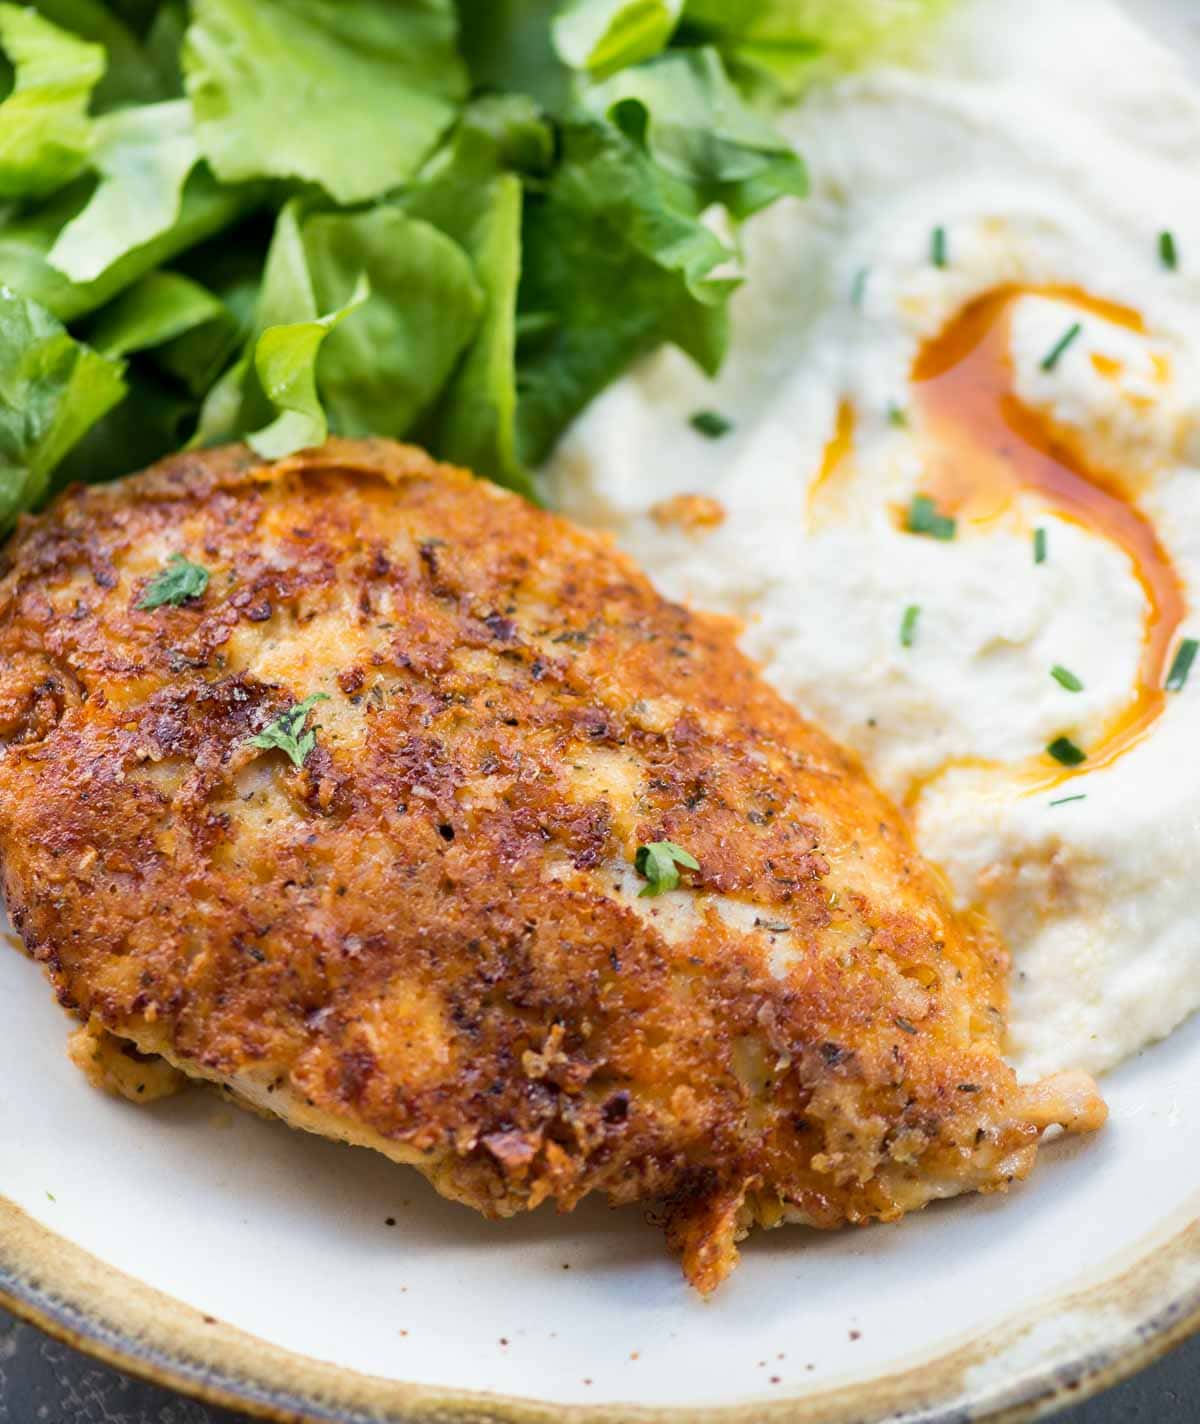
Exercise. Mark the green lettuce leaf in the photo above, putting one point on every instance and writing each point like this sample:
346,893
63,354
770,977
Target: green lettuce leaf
473,194
507,45
154,311
153,420
237,404
790,43
383,369
144,156
164,41
52,389
475,423
285,362
611,269
130,75
697,127
231,268
352,95
603,36
26,241
45,131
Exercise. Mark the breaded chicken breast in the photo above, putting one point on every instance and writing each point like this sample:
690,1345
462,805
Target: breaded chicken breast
414,815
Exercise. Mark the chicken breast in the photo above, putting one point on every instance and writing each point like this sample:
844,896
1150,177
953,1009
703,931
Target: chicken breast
414,815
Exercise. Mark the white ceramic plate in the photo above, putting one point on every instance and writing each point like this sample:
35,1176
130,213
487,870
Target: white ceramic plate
229,1255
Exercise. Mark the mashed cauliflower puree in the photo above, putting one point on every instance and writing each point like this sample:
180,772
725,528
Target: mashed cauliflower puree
991,305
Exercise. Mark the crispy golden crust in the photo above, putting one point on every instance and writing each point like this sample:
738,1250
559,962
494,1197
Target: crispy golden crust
430,939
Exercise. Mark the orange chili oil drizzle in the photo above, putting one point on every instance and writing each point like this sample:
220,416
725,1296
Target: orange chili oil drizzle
985,445
837,451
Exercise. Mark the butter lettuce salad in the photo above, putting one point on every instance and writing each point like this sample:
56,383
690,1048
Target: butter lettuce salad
448,222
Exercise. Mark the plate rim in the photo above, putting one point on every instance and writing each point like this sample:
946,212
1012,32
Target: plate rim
55,1285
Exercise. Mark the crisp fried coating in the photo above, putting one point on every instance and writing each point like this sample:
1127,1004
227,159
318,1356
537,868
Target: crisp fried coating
429,938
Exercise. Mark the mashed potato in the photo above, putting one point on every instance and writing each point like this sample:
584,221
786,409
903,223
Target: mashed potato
978,305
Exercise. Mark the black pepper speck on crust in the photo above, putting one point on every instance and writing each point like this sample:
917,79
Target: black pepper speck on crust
427,937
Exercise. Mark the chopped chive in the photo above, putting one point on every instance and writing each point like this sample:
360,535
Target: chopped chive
938,249
1066,800
897,415
710,423
858,288
1055,354
1065,678
908,625
1167,251
1039,546
923,518
1064,750
1182,666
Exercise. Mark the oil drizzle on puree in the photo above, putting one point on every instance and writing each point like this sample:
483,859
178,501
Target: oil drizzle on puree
985,445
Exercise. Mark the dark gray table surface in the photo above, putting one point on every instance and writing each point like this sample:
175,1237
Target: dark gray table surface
43,1382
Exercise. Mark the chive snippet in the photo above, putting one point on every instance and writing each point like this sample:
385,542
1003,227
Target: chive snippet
908,625
897,416
923,518
1066,678
711,424
1064,751
1167,250
1056,352
938,248
1181,667
858,288
1066,800
1039,546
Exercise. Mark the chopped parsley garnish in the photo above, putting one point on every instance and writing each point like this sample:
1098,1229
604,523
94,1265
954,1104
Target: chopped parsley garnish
287,732
1061,346
1167,251
1064,750
1066,800
1181,667
938,250
908,625
923,518
175,584
711,423
1066,678
658,862
1039,546
858,288
897,415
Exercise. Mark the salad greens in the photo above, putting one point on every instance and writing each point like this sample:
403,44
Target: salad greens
352,96
45,133
453,221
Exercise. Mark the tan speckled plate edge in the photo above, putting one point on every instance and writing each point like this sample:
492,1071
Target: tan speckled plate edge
76,1298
